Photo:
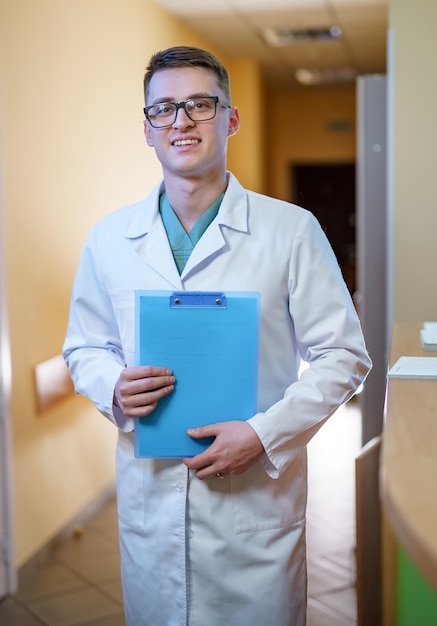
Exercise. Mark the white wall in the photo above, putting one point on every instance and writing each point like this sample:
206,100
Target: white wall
414,148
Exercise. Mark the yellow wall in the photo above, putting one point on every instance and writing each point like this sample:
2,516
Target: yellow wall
299,131
414,143
247,148
72,149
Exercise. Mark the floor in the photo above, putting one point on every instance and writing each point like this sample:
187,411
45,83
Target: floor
331,520
80,585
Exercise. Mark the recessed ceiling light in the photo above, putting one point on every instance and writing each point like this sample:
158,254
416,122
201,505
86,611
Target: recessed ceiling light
323,77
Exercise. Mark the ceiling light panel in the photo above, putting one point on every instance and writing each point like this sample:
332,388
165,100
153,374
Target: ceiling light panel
272,5
313,17
185,8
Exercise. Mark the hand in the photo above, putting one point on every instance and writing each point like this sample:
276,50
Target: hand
138,389
235,448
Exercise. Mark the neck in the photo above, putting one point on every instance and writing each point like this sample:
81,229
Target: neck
190,199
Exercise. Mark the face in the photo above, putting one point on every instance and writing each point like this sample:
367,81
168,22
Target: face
187,148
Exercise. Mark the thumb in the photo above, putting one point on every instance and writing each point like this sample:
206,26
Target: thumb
202,431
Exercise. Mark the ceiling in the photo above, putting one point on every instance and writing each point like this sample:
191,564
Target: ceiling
246,28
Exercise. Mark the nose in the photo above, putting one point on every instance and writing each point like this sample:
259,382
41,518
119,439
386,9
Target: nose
182,120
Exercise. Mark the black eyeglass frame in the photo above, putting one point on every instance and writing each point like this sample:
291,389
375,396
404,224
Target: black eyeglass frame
183,105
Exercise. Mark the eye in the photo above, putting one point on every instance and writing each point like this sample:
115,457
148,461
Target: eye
200,104
164,108
161,110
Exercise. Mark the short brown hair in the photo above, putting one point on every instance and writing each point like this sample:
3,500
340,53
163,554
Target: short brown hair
185,56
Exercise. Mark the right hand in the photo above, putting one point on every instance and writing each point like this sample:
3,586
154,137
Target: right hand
138,389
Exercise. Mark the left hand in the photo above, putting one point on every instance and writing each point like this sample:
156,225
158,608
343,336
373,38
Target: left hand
235,448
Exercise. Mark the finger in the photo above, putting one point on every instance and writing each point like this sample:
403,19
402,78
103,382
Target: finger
204,471
144,371
198,462
153,383
208,463
141,400
143,385
208,472
143,404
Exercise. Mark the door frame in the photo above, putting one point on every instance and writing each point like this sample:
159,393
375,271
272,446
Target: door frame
8,571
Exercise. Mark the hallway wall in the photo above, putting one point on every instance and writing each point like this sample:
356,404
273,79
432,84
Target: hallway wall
413,140
308,127
72,147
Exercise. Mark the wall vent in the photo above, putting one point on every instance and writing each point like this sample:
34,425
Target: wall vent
277,37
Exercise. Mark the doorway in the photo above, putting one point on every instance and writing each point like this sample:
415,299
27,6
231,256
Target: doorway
328,191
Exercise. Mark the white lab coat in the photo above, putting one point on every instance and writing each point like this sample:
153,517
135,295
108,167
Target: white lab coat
220,552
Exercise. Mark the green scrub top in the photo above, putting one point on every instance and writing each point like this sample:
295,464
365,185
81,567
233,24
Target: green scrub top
182,243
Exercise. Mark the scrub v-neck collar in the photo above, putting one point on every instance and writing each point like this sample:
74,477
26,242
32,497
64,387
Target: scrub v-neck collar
182,243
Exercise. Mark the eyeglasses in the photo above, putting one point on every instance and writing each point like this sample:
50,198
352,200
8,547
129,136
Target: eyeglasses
197,109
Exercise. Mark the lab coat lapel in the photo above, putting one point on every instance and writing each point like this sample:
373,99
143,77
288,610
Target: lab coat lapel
233,214
155,250
211,242
152,244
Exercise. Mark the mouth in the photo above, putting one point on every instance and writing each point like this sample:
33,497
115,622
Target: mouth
186,142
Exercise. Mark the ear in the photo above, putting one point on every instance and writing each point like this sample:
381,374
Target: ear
148,134
234,122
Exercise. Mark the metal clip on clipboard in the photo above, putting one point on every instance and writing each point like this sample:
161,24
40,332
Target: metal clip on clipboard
198,298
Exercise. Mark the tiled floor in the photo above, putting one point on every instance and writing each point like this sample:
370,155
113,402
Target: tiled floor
331,519
80,585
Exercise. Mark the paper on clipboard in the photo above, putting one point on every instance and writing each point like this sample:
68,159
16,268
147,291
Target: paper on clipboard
210,342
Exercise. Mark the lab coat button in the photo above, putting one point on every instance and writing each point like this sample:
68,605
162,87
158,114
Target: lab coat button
179,486
189,532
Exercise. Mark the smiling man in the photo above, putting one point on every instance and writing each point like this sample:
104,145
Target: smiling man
218,538
188,122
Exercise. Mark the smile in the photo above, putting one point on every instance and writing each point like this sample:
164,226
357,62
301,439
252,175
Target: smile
186,142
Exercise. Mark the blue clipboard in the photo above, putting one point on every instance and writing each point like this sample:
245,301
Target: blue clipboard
210,340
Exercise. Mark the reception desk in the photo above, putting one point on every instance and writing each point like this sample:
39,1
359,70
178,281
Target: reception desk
409,467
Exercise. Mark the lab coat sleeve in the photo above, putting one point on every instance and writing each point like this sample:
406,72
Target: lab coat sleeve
92,348
328,337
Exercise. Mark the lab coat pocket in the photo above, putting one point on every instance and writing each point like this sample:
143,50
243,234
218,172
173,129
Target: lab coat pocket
264,503
130,483
123,303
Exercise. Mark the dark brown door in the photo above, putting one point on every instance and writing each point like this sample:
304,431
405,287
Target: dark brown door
328,191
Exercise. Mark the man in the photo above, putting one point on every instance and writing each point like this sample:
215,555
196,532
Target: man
218,538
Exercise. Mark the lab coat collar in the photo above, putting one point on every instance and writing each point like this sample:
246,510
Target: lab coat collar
147,215
233,213
153,247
